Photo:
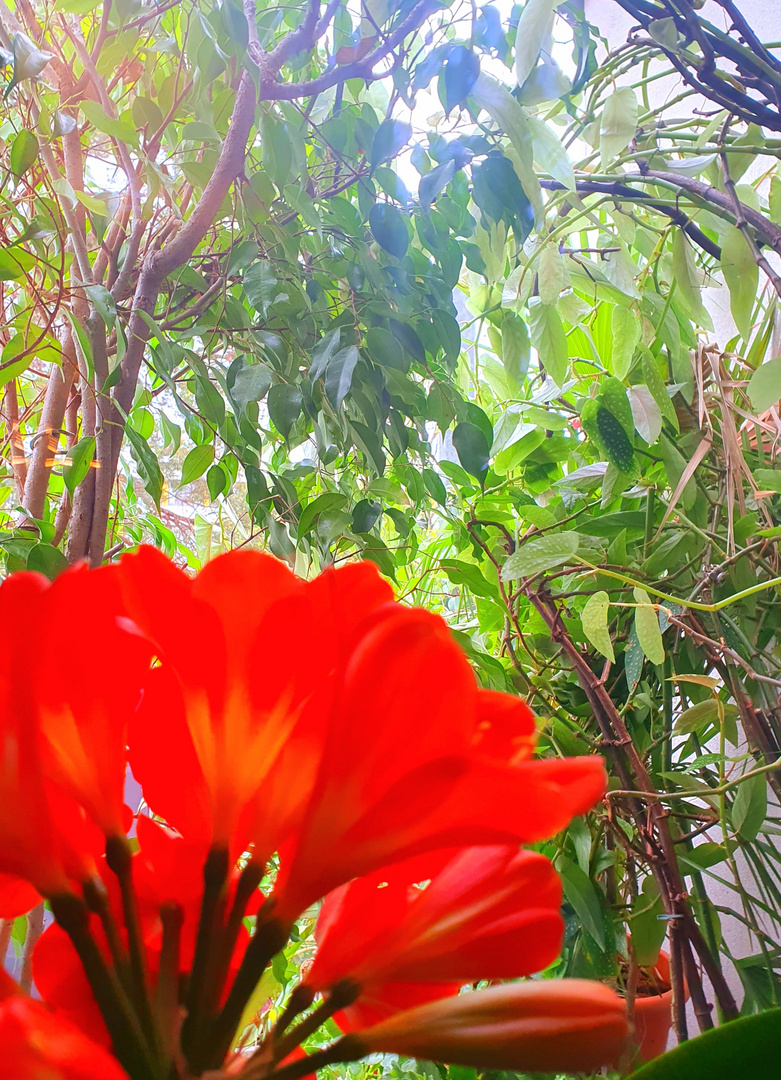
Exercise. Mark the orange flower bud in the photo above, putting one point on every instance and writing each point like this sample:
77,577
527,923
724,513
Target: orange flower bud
567,1025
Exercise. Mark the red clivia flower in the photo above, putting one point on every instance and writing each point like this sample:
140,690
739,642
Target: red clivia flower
36,1045
40,828
417,758
86,677
489,913
232,701
545,1025
17,896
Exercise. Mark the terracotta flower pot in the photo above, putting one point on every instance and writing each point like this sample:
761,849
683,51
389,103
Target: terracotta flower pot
653,1012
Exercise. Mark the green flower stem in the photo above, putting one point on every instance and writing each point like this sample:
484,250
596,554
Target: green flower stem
97,901
130,1045
344,993
348,1048
210,924
270,936
300,999
120,859
220,954
167,991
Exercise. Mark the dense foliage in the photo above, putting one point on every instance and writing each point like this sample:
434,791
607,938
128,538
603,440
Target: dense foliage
454,316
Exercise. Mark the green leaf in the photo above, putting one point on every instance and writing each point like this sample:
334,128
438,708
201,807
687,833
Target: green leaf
366,514
749,1046
609,435
741,274
625,330
339,375
687,278
284,407
768,479
328,501
103,302
633,659
541,553
10,268
389,229
551,274
764,386
548,338
498,191
80,456
515,348
196,463
385,348
252,383
550,153
647,627
656,385
460,73
580,892
697,717
325,348
276,148
435,182
646,413
24,151
618,124
506,111
533,29
473,449
29,61
434,486
117,129
11,368
46,559
749,807
594,619
388,140
648,929
148,466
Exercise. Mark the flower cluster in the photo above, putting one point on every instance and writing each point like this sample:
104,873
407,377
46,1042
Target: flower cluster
318,726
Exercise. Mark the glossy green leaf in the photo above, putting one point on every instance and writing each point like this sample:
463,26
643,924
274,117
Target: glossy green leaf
541,553
109,125
389,228
749,807
742,277
625,331
388,140
534,28
459,75
581,893
646,413
24,151
647,923
473,449
764,386
196,463
339,374
252,383
618,122
595,619
80,457
284,407
748,1047
46,559
148,466
548,338
647,627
